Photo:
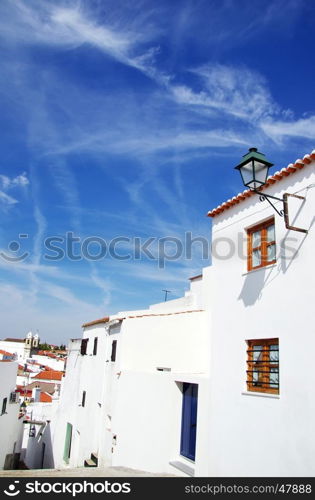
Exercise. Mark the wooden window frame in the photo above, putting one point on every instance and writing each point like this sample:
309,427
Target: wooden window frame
264,363
263,247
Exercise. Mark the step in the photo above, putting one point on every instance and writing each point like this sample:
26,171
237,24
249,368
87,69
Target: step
183,467
89,463
94,457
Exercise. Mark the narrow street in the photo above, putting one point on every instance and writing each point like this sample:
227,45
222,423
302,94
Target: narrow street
81,472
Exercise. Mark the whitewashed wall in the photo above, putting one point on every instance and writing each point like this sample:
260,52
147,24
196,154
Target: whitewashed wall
84,373
252,434
14,347
37,451
149,439
147,408
177,341
54,364
10,424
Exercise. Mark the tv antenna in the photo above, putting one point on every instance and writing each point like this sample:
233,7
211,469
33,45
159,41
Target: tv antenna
166,292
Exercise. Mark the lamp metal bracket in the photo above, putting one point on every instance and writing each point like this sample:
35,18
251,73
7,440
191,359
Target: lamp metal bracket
285,211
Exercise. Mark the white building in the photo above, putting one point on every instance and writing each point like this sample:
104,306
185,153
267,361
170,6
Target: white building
36,450
4,356
135,363
54,362
21,348
10,424
262,331
218,383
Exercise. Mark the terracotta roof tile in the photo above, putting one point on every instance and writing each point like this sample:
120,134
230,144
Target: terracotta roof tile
276,177
6,353
96,322
49,375
14,340
159,314
45,398
195,277
22,368
24,392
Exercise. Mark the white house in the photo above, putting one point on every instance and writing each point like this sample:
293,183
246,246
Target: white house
78,426
261,298
123,391
21,348
4,355
218,383
36,452
54,362
10,424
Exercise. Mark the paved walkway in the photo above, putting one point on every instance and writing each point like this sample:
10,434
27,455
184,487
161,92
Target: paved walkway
81,472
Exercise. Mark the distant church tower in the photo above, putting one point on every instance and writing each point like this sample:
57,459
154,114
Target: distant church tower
28,340
28,345
35,340
31,341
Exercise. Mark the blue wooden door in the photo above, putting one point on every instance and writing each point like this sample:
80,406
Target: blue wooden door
189,421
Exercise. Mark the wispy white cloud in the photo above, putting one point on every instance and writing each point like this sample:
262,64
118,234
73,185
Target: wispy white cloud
188,113
72,25
6,200
235,92
9,183
59,322
279,130
239,92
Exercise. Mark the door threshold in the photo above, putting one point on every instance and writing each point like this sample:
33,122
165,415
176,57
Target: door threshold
190,471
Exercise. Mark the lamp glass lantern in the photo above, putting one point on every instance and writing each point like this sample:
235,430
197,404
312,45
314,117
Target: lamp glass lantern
254,169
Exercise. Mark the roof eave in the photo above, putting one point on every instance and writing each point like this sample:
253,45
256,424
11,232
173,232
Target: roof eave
277,176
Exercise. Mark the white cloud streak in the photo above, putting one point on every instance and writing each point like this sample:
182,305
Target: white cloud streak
278,130
72,26
6,200
235,91
7,184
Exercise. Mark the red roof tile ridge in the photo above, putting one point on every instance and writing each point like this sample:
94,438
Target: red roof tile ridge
49,375
161,314
96,322
277,176
195,277
6,353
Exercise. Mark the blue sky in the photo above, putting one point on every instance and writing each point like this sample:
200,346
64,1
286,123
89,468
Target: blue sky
123,119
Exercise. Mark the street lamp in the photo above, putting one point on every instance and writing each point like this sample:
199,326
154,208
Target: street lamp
254,169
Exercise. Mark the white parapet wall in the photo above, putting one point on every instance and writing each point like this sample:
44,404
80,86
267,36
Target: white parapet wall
10,424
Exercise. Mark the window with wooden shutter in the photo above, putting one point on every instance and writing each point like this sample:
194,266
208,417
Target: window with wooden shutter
95,346
84,343
114,348
4,406
263,365
83,398
261,245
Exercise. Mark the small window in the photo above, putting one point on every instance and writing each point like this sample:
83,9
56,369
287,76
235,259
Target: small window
114,348
95,346
4,405
83,398
84,343
261,245
263,365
